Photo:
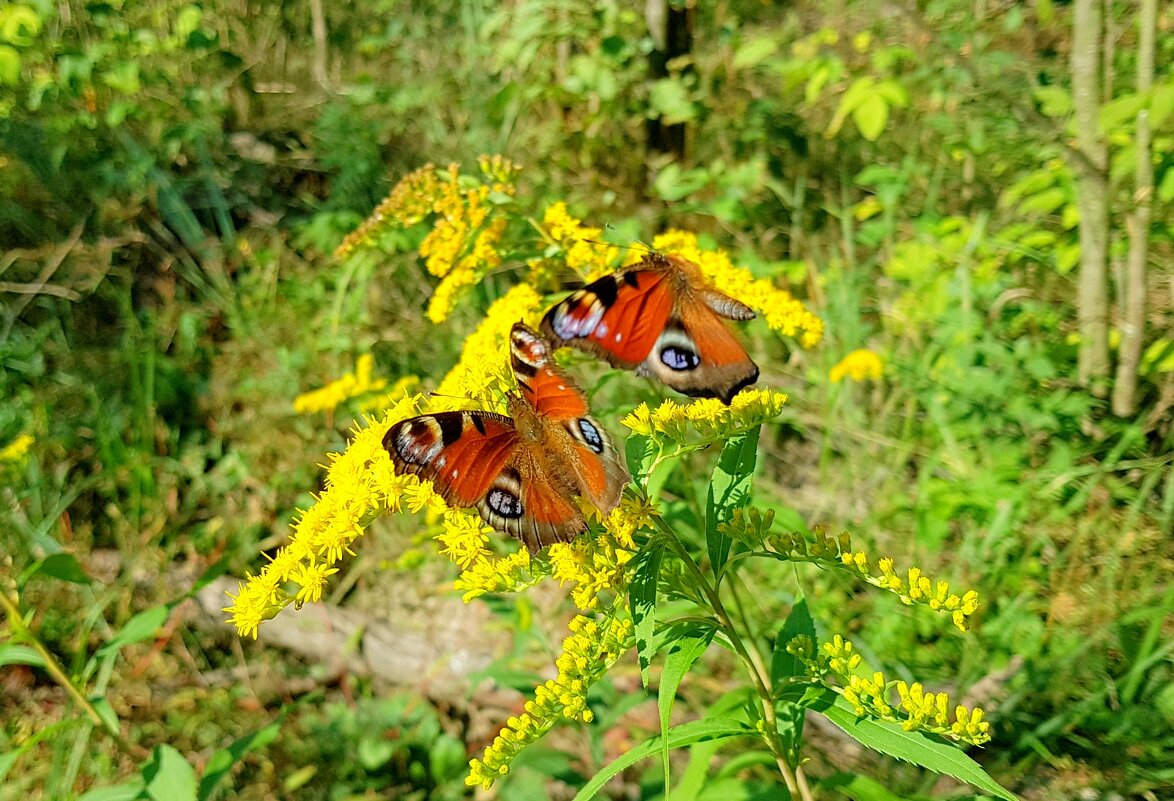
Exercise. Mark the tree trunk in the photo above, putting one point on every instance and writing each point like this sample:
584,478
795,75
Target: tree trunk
671,27
1092,301
1133,321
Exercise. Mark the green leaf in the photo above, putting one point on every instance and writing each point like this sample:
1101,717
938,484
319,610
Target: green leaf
9,65
754,52
64,566
1166,187
677,663
123,77
19,25
187,21
729,489
140,627
1120,112
127,791
871,116
669,99
221,763
857,92
673,183
106,713
1161,105
1054,101
640,453
859,788
890,739
11,654
782,664
695,731
642,598
169,777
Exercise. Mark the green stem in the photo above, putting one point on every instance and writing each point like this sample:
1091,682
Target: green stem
55,671
52,666
754,667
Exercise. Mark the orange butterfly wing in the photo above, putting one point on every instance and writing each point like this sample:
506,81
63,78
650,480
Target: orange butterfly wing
662,318
587,454
461,453
520,472
617,317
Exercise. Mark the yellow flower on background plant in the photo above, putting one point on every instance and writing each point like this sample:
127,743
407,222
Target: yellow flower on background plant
351,385
17,449
859,365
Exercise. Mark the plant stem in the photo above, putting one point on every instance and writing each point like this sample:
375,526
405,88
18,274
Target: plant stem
52,666
758,675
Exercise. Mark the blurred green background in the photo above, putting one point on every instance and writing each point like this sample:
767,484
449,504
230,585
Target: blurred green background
934,180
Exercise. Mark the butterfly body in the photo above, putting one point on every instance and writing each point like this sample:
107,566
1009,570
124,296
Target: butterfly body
522,471
661,318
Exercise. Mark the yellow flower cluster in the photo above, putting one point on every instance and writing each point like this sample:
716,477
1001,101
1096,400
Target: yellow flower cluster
587,654
827,551
482,376
17,449
708,417
916,710
360,482
410,201
782,312
580,245
463,245
513,573
351,385
859,365
919,589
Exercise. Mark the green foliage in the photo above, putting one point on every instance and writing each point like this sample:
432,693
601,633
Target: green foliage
173,176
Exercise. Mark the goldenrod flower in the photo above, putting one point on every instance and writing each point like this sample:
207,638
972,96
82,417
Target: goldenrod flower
587,654
360,482
915,710
17,449
351,385
410,201
582,249
708,417
482,376
859,365
916,589
781,311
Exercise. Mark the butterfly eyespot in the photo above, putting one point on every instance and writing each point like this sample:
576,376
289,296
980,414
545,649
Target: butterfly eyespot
680,359
591,435
504,503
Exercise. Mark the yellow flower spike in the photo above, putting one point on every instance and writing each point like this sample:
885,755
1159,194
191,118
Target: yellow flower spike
583,661
589,259
352,385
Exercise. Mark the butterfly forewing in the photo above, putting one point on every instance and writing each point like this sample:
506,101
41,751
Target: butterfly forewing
461,453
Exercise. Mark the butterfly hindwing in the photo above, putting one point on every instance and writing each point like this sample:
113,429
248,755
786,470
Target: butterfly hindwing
662,318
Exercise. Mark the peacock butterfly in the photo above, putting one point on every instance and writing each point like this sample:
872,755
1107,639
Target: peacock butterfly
661,317
521,472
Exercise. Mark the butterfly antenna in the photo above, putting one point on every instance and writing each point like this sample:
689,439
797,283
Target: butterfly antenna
636,245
